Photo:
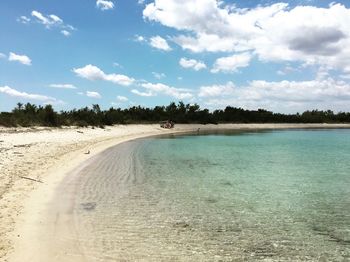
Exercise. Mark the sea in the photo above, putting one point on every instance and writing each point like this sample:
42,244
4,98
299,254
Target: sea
281,195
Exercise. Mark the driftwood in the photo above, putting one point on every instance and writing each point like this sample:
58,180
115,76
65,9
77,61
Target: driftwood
31,179
81,132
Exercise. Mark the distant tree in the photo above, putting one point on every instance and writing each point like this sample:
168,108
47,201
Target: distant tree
50,117
96,108
30,114
19,106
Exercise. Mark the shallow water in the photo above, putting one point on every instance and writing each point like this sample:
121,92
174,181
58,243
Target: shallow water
271,196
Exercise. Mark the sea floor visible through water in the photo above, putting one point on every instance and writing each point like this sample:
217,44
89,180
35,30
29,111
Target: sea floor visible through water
243,196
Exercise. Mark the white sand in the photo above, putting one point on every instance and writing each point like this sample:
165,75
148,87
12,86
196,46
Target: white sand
48,155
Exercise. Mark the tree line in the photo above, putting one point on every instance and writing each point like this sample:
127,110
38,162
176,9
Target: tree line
33,115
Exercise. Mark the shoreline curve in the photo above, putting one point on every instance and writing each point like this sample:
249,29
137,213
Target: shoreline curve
26,201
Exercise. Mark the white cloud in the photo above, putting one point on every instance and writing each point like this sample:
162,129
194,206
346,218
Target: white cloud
117,65
23,59
275,32
23,19
65,33
93,94
15,93
140,2
104,4
157,42
204,42
122,98
63,86
160,43
158,75
70,27
2,56
283,96
231,63
178,93
119,79
56,19
216,90
49,21
139,93
192,63
288,70
92,72
140,38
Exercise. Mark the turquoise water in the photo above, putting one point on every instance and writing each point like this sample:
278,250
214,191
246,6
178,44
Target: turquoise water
271,196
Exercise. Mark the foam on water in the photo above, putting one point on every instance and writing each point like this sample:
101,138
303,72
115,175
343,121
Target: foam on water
273,196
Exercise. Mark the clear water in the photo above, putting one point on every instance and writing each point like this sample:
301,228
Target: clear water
265,196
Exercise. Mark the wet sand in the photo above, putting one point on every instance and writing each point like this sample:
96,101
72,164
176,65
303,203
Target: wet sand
34,166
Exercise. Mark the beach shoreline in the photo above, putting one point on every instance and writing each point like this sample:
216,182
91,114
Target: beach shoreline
35,161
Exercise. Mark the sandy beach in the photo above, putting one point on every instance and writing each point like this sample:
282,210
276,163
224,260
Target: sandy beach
34,161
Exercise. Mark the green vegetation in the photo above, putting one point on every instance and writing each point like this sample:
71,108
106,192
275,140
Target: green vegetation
32,115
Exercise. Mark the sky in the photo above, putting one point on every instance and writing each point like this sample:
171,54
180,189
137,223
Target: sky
285,57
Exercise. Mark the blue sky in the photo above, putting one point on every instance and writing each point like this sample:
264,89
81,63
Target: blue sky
282,56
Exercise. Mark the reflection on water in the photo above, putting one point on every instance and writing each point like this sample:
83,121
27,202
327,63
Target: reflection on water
272,196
